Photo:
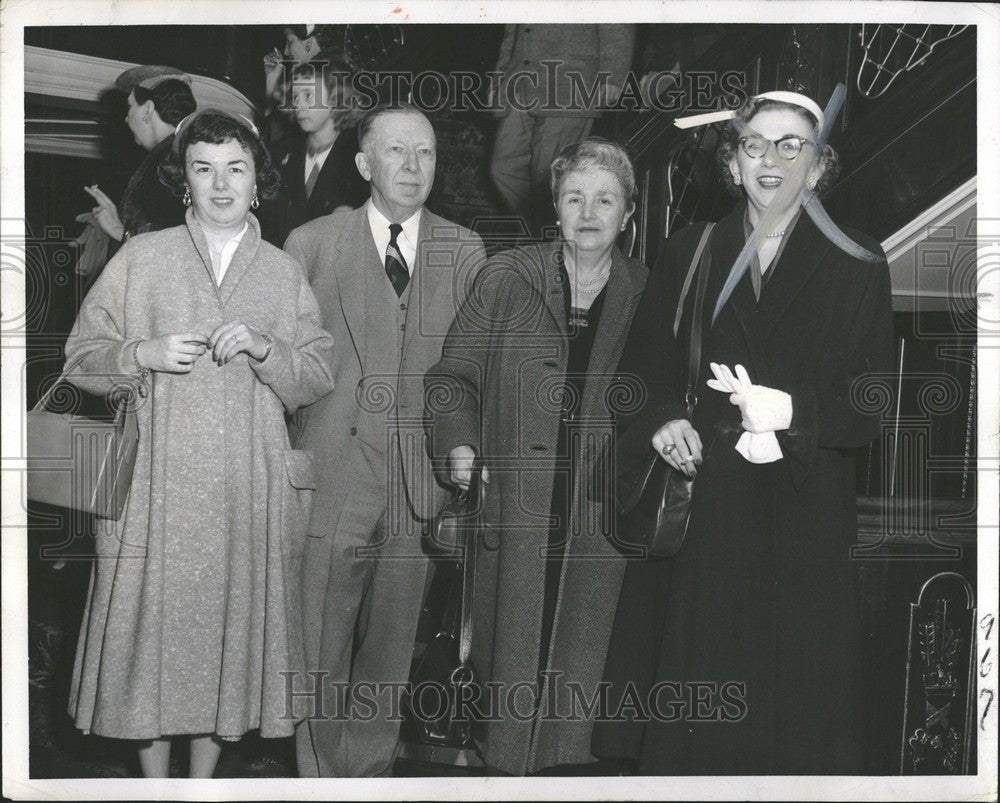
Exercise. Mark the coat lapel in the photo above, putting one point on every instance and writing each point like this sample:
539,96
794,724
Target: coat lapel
244,256
240,263
805,251
294,172
624,289
553,292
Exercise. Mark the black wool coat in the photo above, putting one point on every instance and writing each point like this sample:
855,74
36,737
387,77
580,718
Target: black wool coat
763,594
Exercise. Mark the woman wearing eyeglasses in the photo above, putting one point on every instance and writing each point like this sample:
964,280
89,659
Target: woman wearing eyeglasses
746,647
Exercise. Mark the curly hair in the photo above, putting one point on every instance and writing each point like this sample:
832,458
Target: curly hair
595,152
217,127
731,138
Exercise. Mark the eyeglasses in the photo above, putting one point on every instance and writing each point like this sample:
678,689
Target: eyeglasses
788,147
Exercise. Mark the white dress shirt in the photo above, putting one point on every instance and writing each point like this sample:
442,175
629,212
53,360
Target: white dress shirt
226,256
317,160
407,240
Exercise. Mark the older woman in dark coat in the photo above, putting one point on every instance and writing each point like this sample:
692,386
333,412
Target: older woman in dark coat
747,645
526,381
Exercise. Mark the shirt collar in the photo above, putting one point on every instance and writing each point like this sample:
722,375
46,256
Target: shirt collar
408,238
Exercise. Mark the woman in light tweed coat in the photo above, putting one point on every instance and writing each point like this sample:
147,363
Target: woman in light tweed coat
193,612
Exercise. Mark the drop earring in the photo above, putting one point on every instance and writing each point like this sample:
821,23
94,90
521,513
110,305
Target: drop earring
187,195
737,180
256,201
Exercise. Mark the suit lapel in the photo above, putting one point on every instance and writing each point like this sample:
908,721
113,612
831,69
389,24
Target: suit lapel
295,175
425,283
353,260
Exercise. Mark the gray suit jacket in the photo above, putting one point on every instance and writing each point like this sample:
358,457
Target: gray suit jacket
335,251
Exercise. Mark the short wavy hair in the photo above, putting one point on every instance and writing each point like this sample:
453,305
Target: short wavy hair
730,142
216,128
590,153
172,99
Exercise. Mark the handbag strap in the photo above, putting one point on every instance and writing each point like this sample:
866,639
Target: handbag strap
475,498
692,269
694,348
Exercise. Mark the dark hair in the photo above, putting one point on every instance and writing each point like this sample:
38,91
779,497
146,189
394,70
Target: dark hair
216,128
369,117
337,73
595,152
731,142
326,36
171,98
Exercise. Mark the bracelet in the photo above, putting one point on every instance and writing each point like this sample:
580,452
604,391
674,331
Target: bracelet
142,370
269,342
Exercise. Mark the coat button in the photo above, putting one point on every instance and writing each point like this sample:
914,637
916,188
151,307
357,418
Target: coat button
354,430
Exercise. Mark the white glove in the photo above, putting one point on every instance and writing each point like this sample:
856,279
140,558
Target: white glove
758,444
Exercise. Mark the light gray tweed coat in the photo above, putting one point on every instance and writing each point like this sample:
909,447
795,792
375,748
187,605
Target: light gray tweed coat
194,608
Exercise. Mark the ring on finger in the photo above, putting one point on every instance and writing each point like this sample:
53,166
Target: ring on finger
669,449
687,459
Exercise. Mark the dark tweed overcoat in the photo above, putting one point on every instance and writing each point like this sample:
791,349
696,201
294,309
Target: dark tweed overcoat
498,389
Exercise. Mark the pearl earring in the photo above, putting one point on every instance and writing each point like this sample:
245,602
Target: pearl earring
737,180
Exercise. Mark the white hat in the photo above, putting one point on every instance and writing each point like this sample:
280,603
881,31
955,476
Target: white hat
794,98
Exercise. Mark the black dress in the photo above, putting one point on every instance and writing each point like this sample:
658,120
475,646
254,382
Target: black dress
761,605
581,327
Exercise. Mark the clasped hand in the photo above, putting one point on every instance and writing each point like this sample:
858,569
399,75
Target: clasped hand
177,353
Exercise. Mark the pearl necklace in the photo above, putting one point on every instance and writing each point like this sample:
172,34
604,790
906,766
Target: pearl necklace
776,234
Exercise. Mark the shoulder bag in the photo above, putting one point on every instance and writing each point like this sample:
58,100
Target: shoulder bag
653,503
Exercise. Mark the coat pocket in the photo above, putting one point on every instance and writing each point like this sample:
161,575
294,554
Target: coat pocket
298,480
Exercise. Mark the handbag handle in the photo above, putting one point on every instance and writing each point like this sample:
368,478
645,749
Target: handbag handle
694,347
475,501
41,404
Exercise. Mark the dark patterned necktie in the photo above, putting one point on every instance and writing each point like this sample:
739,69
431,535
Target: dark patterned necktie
395,265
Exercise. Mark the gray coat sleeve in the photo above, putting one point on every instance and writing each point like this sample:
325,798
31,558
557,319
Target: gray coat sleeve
98,353
300,370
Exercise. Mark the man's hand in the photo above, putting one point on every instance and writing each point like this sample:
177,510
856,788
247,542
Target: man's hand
460,466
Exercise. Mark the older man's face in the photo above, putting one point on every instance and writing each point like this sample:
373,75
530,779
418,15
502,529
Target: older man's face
398,160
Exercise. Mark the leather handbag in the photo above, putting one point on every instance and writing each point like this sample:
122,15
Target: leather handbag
447,719
82,463
653,502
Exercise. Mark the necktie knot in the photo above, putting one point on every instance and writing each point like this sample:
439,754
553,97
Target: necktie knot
394,231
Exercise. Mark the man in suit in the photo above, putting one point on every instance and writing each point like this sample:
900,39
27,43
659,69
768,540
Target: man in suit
389,278
318,175
550,111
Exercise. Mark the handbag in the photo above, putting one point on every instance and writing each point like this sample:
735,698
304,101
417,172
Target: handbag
445,665
653,502
82,463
